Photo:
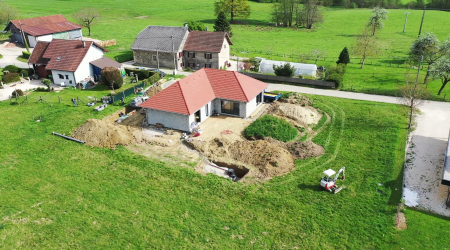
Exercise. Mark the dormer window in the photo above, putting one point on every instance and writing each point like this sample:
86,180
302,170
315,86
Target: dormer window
58,59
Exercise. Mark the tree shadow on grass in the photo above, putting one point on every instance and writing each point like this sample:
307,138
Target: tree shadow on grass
238,22
316,188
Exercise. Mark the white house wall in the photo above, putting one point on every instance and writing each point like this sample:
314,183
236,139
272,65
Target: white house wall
252,106
85,69
66,74
168,119
224,54
32,41
46,38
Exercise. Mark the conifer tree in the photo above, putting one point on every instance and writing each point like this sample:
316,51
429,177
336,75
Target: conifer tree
344,57
222,24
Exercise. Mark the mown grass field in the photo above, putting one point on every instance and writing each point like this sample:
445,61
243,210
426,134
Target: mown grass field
59,194
123,20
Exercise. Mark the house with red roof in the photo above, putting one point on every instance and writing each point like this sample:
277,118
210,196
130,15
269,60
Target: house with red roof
194,99
43,28
204,49
68,61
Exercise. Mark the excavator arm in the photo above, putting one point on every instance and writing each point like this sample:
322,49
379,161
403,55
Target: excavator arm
342,170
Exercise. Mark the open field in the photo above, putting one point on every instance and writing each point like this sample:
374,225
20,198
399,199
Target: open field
255,37
59,194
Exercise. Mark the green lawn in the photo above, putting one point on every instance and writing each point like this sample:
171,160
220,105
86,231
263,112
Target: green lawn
59,194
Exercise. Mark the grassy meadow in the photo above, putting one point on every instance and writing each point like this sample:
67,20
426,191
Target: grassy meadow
59,194
123,20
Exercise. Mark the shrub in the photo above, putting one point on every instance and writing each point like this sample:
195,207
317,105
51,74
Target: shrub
336,74
284,70
23,73
16,93
47,83
11,69
29,71
11,77
196,25
41,89
141,73
188,69
26,54
271,126
112,77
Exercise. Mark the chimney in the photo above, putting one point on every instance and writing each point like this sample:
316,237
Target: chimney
207,29
84,43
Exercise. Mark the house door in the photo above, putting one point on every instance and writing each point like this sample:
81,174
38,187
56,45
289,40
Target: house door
231,108
42,72
197,116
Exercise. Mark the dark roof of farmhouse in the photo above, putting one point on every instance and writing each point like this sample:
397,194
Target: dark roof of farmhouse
159,38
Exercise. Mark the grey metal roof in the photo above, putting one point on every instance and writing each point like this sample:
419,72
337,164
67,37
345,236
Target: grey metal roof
154,38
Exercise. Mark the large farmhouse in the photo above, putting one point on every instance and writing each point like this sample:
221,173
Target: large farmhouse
177,48
43,28
194,98
68,61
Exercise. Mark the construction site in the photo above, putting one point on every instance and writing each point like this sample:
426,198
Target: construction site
220,146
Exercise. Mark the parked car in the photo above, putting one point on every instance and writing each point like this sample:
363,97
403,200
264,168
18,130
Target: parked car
161,74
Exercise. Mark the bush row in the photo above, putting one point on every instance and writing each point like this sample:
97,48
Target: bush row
11,77
26,55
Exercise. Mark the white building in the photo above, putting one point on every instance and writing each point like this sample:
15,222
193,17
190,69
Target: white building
266,66
194,98
67,61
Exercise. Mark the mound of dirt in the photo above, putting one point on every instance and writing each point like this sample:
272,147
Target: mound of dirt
104,134
270,159
300,149
152,91
301,114
400,221
297,98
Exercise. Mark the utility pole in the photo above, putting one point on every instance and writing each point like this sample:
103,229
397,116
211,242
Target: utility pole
157,57
406,19
174,60
421,23
23,37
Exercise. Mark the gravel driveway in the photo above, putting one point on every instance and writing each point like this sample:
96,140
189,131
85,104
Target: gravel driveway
10,55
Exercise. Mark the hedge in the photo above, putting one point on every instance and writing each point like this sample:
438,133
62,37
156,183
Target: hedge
11,77
29,71
11,69
141,73
26,54
336,74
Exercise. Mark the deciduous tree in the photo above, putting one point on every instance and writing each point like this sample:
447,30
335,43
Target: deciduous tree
196,25
222,24
376,20
318,54
7,13
441,69
87,17
284,10
429,46
234,8
365,45
309,14
112,77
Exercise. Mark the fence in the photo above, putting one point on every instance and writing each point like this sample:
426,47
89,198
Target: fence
144,84
291,80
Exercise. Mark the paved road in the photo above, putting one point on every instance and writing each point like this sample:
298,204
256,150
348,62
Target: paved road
10,55
426,149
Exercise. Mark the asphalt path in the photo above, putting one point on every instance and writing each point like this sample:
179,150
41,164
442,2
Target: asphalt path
10,57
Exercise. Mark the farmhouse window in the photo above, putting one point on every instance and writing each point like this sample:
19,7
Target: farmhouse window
179,54
154,57
67,77
207,109
181,64
208,65
61,76
191,54
208,55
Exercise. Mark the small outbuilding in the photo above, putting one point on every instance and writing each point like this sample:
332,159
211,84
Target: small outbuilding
195,98
266,66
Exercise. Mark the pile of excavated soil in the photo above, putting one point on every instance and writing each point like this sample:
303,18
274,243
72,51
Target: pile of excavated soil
400,221
301,114
152,91
297,98
264,158
300,149
104,134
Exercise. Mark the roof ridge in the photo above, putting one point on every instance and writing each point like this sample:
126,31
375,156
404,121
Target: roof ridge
240,86
209,81
182,94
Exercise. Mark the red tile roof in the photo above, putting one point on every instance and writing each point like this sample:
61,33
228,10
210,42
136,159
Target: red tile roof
62,54
45,25
191,93
38,52
186,96
206,41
